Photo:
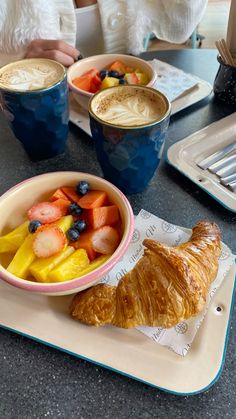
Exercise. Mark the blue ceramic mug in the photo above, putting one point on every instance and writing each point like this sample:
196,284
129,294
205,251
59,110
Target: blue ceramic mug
129,144
34,98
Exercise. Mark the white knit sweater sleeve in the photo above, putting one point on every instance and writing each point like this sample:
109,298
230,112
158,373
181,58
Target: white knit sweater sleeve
21,21
126,23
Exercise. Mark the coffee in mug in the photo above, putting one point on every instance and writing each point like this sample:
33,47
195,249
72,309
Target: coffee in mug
130,107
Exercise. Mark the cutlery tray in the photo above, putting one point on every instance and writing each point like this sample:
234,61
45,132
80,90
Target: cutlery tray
185,154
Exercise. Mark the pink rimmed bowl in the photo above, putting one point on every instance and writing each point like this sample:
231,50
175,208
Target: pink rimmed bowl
17,200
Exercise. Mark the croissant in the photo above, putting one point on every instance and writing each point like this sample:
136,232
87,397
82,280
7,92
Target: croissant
166,286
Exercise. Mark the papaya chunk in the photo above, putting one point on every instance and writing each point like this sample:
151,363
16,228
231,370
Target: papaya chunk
59,194
63,204
101,216
85,242
89,81
118,66
93,199
71,194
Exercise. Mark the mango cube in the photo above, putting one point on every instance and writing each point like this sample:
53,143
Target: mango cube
142,78
70,267
65,223
94,265
109,82
10,242
23,258
41,267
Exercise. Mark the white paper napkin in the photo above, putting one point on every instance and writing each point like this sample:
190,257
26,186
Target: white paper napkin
180,337
172,81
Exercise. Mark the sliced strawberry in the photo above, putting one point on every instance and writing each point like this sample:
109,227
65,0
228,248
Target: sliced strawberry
105,240
131,78
49,240
45,212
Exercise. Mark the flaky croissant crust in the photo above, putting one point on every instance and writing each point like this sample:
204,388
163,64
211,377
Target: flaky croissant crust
166,286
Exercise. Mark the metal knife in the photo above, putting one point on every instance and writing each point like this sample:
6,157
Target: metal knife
219,154
232,186
230,169
228,179
222,163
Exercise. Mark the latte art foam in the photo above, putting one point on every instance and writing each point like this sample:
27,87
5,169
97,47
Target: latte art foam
130,108
32,74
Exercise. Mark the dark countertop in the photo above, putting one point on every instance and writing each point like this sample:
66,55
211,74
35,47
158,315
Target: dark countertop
38,381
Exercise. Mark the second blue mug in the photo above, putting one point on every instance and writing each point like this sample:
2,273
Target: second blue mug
129,155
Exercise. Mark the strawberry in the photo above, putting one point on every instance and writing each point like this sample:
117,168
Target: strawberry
131,78
45,212
105,240
49,240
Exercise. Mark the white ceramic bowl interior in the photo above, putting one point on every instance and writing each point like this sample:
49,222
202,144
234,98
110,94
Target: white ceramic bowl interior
15,203
100,62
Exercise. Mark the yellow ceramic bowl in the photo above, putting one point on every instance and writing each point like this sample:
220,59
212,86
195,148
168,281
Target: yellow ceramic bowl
13,208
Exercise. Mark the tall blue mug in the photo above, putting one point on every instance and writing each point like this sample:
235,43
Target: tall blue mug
129,155
34,98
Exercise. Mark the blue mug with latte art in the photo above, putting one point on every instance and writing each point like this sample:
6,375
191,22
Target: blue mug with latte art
34,98
129,155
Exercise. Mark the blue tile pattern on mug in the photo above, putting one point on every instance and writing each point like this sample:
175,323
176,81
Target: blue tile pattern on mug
39,119
122,152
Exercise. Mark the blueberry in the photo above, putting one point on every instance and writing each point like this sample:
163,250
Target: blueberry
104,73
82,188
123,81
75,209
73,234
80,225
33,225
114,73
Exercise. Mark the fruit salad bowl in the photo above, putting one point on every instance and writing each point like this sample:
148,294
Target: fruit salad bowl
28,222
86,66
